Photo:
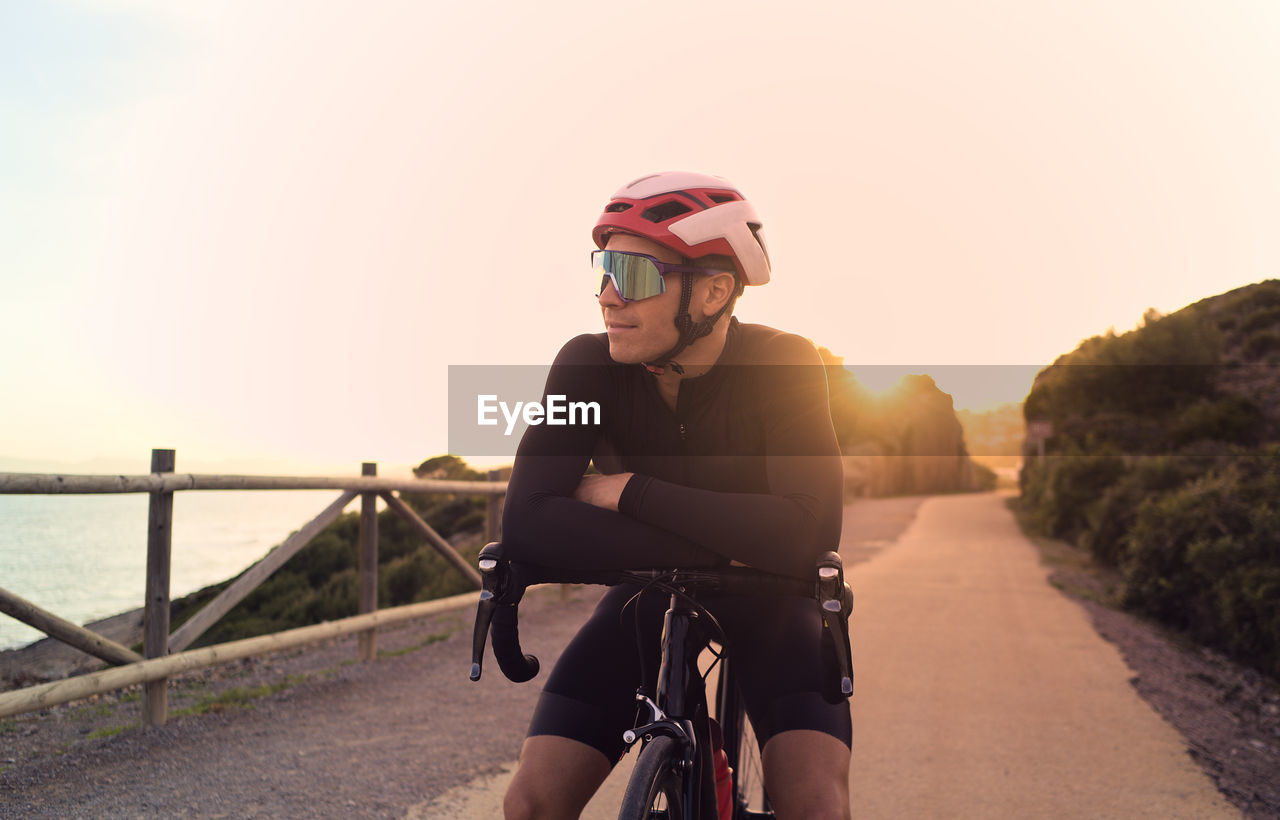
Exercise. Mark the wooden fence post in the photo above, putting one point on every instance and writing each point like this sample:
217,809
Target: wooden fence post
493,512
155,618
367,642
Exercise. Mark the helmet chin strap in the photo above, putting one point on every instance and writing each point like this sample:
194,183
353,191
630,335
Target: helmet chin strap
690,331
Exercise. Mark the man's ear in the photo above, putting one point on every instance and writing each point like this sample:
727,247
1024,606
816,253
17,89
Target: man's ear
718,290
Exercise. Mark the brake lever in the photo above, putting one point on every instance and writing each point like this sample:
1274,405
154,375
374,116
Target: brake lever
492,572
835,602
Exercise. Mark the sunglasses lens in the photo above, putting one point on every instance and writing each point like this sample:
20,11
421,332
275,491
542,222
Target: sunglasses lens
634,276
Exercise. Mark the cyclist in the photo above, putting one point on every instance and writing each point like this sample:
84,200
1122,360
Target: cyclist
715,445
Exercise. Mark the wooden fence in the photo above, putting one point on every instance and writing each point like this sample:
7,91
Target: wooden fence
166,653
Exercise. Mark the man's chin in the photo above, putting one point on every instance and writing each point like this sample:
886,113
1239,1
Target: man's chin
625,354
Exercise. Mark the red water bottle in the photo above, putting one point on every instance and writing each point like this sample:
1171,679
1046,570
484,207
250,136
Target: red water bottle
724,773
724,784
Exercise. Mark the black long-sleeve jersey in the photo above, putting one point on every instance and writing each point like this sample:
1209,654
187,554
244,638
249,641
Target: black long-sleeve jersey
746,467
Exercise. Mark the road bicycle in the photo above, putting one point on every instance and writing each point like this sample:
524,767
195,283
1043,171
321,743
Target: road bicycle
675,772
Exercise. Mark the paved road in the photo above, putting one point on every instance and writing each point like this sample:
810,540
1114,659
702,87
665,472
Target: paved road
983,692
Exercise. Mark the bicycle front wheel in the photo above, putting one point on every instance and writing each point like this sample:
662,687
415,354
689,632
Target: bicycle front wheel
656,788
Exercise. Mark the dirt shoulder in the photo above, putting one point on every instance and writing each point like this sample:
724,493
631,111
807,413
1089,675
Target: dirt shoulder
307,732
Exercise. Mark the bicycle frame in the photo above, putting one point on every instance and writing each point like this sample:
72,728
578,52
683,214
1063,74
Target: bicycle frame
673,709
678,710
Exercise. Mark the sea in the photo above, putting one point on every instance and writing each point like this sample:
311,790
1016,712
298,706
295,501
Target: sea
84,557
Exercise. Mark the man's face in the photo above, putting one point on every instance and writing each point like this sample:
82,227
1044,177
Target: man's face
644,329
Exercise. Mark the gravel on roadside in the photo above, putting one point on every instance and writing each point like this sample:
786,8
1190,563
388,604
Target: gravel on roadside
1228,714
309,731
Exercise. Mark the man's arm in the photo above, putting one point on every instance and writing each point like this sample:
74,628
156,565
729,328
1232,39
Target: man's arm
543,523
785,529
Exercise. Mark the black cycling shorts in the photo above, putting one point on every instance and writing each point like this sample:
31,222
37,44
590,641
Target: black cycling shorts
774,643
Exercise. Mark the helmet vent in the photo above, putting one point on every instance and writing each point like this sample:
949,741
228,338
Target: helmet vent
719,198
617,207
667,210
755,233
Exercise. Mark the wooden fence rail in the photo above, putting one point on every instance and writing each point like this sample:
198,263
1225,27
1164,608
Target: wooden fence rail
85,640
44,695
159,646
44,484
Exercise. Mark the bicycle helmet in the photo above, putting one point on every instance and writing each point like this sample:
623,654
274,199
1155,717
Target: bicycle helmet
694,215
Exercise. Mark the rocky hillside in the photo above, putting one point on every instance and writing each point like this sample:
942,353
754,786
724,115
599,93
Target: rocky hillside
1164,461
906,441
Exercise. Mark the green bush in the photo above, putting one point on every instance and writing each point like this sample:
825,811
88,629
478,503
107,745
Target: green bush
330,552
1112,516
338,597
403,578
1128,433
1231,419
1205,558
1157,577
1062,489
1248,609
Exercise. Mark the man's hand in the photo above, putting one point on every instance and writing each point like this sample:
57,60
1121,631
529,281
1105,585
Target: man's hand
602,490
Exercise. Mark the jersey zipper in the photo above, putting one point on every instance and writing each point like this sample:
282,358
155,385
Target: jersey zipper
678,412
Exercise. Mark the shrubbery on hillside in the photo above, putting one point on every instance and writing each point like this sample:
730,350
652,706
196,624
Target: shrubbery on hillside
1205,557
1163,465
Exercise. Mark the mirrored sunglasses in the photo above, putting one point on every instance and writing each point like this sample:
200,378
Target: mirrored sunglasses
636,276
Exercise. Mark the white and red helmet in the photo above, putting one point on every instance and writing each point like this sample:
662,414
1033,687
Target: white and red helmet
692,214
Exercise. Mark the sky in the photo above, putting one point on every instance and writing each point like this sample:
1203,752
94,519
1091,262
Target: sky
260,233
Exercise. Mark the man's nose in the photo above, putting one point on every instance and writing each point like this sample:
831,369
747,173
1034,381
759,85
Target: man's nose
609,295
